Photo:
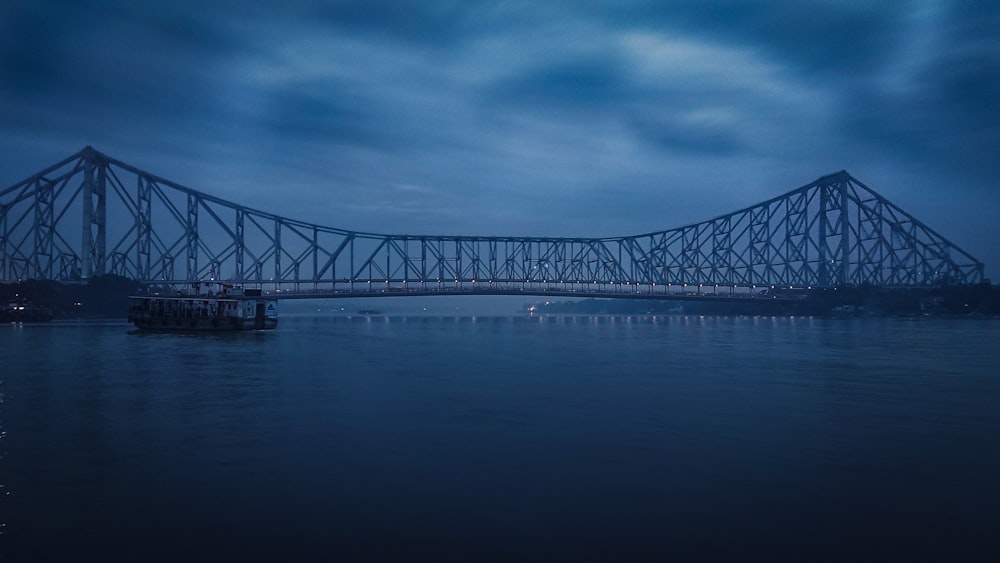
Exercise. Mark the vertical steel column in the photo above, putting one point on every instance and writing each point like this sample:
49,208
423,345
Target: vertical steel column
441,260
315,254
388,253
824,259
239,245
423,262
98,266
192,237
845,232
94,244
144,228
760,237
86,240
406,258
493,259
277,250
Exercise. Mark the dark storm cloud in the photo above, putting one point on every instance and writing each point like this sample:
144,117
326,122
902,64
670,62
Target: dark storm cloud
28,60
429,24
674,135
822,37
109,72
572,85
940,106
327,115
852,48
52,46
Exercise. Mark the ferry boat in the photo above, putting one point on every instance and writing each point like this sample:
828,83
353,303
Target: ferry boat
230,307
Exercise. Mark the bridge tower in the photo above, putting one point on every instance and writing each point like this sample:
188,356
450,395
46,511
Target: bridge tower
94,247
833,241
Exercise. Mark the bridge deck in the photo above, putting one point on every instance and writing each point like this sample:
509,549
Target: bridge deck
594,294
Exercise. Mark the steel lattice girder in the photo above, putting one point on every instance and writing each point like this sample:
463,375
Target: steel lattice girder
91,214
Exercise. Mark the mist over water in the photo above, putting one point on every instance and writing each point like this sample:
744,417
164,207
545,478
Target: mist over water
462,438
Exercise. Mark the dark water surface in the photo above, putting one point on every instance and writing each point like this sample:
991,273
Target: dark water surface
504,438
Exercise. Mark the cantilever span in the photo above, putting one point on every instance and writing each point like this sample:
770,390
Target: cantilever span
91,214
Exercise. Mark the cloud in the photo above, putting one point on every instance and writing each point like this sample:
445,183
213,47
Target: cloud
932,101
574,85
820,37
513,118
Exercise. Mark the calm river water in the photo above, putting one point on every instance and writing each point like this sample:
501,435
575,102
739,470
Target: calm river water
607,438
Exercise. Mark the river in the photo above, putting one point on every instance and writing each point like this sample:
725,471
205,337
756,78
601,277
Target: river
507,438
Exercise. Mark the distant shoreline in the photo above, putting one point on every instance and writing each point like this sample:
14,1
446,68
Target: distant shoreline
106,297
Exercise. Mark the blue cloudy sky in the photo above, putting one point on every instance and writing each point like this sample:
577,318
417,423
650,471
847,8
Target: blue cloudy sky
517,118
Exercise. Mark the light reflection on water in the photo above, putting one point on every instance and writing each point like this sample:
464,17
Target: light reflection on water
547,437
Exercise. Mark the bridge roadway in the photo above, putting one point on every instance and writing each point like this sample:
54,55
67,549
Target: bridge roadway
621,291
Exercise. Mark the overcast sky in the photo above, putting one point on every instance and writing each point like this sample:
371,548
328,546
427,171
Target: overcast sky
518,118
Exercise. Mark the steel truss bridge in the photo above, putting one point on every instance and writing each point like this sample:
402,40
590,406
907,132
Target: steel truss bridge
91,214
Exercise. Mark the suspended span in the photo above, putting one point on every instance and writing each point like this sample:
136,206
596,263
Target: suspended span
91,214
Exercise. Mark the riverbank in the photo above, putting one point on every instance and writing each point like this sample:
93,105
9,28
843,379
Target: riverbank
100,297
974,301
107,297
